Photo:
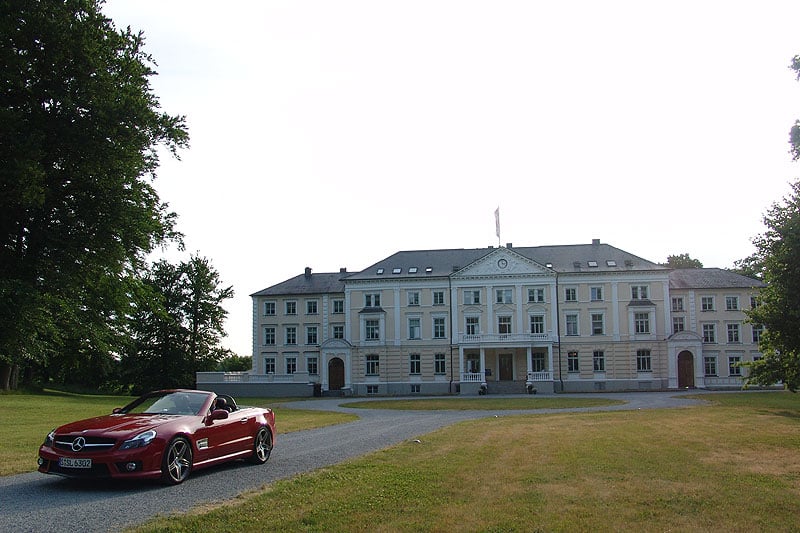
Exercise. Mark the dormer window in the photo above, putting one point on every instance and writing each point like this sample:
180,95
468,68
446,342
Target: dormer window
379,271
412,270
397,270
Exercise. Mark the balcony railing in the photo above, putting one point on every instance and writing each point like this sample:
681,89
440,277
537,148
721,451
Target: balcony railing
503,338
540,376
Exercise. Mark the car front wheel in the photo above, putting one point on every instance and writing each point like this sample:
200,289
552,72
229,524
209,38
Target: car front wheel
177,461
262,447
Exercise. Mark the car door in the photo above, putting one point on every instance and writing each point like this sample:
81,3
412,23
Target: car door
217,438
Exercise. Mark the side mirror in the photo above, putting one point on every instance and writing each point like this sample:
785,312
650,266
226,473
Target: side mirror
117,410
219,414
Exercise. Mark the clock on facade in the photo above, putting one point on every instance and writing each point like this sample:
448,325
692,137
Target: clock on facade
502,263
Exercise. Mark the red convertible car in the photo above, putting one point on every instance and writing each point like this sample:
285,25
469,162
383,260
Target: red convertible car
163,434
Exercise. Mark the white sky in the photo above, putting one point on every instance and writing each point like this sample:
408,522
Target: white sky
332,134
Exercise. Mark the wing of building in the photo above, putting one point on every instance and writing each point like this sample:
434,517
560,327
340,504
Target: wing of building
511,320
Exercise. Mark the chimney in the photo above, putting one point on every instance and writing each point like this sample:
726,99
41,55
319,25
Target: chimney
509,245
308,272
595,242
343,270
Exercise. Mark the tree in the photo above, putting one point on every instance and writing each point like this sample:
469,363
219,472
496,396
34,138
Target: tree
177,327
235,363
79,134
778,251
682,261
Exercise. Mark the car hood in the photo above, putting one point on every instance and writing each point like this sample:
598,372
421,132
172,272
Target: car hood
117,425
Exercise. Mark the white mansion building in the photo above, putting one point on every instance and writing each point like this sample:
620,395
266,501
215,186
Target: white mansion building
573,318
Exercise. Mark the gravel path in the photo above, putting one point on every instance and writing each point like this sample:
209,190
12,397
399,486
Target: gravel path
37,502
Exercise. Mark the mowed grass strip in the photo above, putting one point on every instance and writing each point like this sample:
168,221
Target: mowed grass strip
485,403
25,420
730,466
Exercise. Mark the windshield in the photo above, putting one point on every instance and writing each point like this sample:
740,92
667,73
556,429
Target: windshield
170,403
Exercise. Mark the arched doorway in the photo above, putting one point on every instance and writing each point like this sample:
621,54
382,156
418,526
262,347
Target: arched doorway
685,370
335,374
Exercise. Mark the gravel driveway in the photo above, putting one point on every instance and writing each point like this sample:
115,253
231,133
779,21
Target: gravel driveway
36,502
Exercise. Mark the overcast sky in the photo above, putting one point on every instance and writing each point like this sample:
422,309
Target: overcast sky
332,134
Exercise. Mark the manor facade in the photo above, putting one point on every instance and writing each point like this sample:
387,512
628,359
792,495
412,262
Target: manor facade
572,318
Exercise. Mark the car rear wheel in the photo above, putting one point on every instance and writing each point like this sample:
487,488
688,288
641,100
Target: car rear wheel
177,461
262,447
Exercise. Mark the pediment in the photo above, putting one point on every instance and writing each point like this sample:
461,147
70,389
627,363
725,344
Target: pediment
335,344
503,262
685,336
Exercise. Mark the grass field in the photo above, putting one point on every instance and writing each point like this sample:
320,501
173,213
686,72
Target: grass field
25,419
732,465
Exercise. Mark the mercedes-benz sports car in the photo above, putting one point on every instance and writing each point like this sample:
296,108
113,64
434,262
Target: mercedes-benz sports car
163,434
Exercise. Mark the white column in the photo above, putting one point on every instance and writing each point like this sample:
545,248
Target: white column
529,352
483,363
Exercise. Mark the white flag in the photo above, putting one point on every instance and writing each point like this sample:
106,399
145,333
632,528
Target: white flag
497,221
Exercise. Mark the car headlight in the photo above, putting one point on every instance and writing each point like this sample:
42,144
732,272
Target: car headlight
48,440
139,441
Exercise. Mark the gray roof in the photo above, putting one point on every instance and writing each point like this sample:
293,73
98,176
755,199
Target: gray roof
710,278
307,283
562,259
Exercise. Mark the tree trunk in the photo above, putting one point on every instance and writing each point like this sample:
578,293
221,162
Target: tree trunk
5,376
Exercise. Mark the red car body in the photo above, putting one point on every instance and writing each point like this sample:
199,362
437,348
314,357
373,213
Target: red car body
162,435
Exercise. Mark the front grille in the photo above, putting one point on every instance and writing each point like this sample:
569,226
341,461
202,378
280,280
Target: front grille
91,444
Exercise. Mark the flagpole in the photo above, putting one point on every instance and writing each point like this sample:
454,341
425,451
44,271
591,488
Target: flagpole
497,224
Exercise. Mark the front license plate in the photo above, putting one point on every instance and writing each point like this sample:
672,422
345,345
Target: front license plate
69,462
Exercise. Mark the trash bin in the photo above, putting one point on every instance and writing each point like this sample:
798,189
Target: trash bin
317,390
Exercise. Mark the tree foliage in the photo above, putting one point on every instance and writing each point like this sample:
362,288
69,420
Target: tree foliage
682,261
178,328
778,253
80,130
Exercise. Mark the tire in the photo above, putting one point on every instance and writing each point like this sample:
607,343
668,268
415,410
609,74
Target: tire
262,446
177,462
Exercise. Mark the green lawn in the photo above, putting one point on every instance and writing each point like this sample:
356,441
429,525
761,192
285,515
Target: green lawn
732,465
25,419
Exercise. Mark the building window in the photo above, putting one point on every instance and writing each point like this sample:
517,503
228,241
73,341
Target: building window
643,361
538,362
372,300
536,295
413,298
537,324
753,302
269,336
291,308
572,324
639,292
438,297
596,294
311,334
291,365
373,365
269,365
372,329
504,296
269,308
415,387
291,335
414,364
572,362
599,361
473,325
758,329
571,295
439,366
710,365
677,304
733,334
413,328
312,366
709,333
678,324
473,363
707,303
733,365
731,303
641,323
472,297
338,332
598,327
338,307
311,307
504,325
439,331
372,389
